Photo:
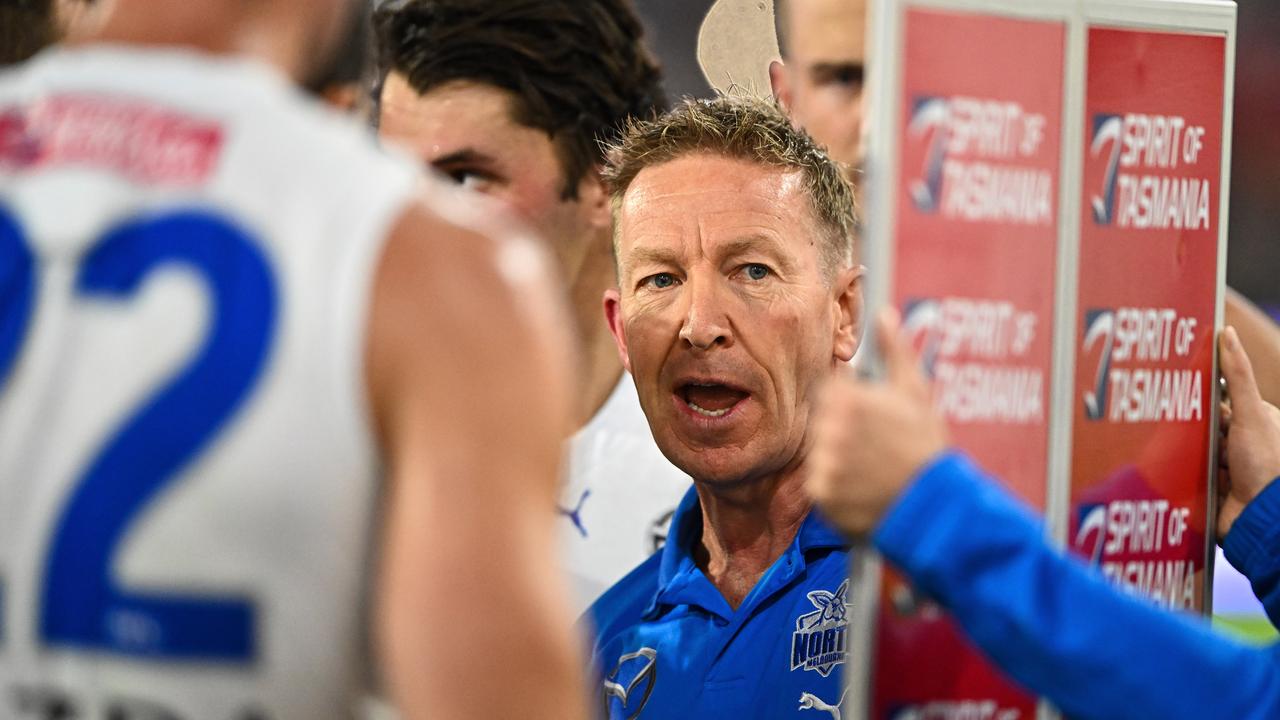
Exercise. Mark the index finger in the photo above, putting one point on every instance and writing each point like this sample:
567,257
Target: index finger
1238,371
901,362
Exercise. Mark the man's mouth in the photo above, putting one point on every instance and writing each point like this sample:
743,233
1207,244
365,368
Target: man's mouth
709,399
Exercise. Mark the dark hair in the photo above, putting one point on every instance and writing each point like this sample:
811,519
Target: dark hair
26,27
577,69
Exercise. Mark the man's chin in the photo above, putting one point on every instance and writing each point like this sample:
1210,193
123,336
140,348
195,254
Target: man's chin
715,466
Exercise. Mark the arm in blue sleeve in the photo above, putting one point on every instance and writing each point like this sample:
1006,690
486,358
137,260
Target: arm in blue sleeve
1253,548
1055,625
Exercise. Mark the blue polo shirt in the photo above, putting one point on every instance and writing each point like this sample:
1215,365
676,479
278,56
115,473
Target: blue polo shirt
668,645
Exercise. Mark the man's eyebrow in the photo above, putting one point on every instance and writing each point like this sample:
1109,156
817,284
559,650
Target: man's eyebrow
465,155
652,256
830,70
758,243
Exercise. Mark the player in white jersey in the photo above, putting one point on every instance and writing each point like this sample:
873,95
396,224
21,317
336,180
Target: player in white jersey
512,99
264,403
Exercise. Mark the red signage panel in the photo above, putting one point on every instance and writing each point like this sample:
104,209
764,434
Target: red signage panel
975,251
1147,300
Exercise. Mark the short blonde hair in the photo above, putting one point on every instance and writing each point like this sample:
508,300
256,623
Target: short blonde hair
743,128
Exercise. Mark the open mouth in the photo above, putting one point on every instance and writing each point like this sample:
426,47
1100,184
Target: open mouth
711,400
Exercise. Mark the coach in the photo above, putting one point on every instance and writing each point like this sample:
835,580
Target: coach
738,297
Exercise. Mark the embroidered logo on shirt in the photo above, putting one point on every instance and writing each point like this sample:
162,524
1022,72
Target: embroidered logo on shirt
644,663
809,701
818,641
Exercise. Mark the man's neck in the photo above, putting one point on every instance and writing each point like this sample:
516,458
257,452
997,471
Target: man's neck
746,528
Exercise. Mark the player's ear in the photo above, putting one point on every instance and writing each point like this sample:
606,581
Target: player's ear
593,193
847,291
778,81
613,314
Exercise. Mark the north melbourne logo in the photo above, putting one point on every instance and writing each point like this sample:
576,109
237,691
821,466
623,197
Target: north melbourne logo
818,641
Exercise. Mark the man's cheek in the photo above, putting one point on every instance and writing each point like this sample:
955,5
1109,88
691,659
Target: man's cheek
640,348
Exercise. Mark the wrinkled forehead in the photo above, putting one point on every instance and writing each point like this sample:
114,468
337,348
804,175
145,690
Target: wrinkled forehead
709,201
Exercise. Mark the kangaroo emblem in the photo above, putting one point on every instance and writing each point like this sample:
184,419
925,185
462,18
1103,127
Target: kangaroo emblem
575,515
809,701
834,606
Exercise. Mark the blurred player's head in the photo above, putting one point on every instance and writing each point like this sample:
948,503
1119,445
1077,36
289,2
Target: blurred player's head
340,82
513,97
738,291
300,37
26,27
819,80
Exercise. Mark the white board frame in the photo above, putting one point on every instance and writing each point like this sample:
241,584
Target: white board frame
885,43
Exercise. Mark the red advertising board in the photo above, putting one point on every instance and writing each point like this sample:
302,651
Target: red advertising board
1148,269
974,262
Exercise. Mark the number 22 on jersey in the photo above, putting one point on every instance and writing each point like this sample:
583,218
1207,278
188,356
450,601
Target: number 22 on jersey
81,605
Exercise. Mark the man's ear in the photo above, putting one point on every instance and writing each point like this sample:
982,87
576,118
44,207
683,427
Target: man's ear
613,315
848,300
594,196
779,82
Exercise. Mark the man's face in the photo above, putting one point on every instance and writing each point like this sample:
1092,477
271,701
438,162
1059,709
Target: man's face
724,314
821,81
465,130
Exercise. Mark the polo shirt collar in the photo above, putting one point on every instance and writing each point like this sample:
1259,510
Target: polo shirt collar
816,534
680,581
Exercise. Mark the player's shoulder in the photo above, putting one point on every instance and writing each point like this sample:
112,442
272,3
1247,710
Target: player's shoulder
625,603
248,124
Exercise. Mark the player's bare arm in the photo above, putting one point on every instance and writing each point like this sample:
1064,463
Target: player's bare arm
467,371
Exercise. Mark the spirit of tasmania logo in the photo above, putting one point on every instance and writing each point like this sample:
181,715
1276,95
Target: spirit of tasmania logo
818,642
922,324
929,117
1099,332
1106,132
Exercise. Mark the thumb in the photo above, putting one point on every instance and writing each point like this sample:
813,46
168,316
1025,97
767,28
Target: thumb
1236,368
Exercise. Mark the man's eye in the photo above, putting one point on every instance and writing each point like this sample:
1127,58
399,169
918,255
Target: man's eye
847,77
469,179
756,271
661,281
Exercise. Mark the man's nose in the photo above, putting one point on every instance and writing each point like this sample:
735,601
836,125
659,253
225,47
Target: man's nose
706,321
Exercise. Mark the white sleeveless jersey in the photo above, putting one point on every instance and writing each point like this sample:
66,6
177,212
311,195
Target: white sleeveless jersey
187,473
618,498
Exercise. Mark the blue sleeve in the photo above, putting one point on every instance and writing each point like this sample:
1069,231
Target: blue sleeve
1253,548
1055,625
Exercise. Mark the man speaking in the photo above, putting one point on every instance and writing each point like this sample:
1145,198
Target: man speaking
738,297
